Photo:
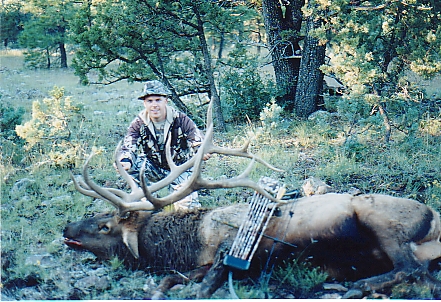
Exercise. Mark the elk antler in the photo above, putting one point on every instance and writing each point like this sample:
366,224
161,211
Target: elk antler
117,198
127,202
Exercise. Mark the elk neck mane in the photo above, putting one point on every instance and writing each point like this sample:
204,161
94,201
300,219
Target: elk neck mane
171,240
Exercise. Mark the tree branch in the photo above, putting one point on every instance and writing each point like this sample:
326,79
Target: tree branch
387,3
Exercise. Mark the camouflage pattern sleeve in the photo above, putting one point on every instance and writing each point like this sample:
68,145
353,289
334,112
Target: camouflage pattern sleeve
129,146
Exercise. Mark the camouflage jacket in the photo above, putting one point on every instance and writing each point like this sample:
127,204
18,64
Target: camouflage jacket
141,139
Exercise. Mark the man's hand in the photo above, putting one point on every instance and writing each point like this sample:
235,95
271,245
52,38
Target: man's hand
126,165
207,156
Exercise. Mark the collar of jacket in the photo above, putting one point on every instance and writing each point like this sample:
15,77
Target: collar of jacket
170,117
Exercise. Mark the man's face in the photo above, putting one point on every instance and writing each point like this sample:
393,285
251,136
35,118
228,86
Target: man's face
156,107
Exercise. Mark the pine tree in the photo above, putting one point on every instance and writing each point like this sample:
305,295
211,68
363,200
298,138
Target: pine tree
46,31
374,50
12,18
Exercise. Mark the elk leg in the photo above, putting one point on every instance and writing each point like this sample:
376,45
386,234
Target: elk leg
405,268
421,275
169,281
215,277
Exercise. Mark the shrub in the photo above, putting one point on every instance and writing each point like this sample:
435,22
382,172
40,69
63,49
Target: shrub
434,195
10,143
244,90
36,58
50,128
10,117
411,291
270,116
431,126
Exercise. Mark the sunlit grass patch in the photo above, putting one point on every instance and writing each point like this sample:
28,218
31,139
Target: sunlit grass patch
431,127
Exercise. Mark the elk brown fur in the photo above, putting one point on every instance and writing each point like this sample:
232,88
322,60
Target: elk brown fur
378,240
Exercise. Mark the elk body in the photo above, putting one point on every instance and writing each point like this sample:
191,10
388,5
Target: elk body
378,240
378,237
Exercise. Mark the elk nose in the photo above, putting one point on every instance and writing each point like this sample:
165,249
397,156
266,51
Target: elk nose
69,231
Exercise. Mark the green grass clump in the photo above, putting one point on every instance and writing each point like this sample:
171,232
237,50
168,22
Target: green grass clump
411,291
299,278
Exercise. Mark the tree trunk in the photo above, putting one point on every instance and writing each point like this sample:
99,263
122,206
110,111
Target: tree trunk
160,73
63,56
175,97
221,45
310,84
214,96
279,18
387,124
48,58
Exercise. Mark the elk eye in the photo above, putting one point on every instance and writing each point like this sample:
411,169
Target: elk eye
104,229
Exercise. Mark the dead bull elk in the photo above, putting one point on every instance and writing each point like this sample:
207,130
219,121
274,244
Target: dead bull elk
378,240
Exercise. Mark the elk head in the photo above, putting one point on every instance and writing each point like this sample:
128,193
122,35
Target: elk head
107,234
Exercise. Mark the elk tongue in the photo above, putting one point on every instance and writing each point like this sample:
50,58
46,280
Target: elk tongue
72,242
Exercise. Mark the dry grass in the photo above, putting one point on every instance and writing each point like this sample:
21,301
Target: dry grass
21,86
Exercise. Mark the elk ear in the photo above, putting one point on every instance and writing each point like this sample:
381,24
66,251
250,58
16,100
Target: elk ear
130,239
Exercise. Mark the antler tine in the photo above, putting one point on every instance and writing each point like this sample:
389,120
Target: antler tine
130,181
241,152
102,192
241,180
118,198
191,185
81,187
136,192
210,147
168,156
210,115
